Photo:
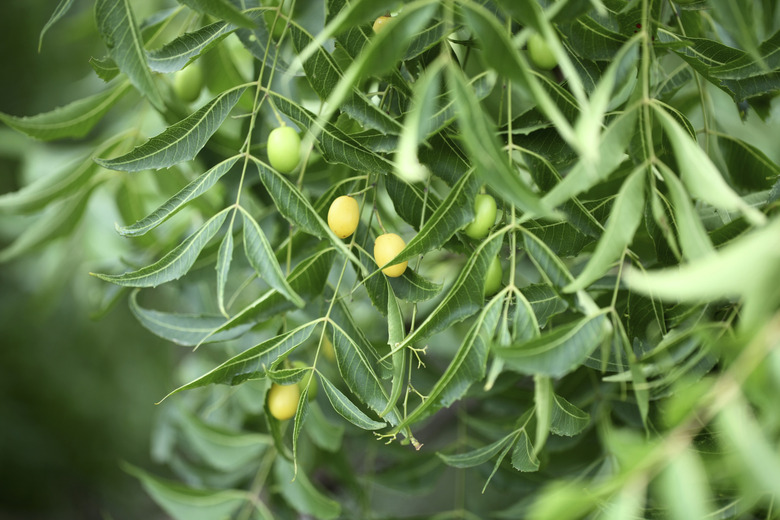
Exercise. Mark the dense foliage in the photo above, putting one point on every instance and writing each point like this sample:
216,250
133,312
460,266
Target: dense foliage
621,362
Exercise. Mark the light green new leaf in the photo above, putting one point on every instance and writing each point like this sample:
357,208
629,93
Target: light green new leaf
301,494
186,503
75,119
261,258
567,419
179,142
295,207
346,408
748,267
543,406
416,125
176,54
693,237
524,455
118,29
684,487
626,214
221,9
478,456
455,212
191,191
254,362
559,352
699,174
491,162
173,265
185,329
62,8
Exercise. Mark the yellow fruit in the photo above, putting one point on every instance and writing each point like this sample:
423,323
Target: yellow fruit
386,248
283,401
343,216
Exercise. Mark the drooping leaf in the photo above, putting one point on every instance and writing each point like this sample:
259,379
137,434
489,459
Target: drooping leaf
478,456
173,265
347,409
61,10
524,455
179,142
73,120
118,29
567,419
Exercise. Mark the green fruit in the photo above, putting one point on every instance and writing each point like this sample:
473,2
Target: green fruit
188,82
541,54
303,383
343,216
484,216
380,23
283,401
493,277
284,149
387,247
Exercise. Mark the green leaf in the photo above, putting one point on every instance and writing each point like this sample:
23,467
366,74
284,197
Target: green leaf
567,419
559,352
465,297
224,259
684,487
191,191
478,456
524,455
261,258
750,168
75,119
179,142
627,212
173,265
187,503
118,29
747,66
543,407
491,162
307,279
59,219
59,185
324,75
693,237
294,207
221,9
544,301
347,409
62,8
176,54
466,367
254,362
455,212
396,330
221,448
547,262
336,146
699,174
301,494
185,329
105,68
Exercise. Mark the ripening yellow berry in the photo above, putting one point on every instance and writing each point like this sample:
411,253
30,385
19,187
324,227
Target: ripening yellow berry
283,401
380,23
343,216
386,248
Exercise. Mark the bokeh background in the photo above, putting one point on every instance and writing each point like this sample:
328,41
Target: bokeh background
78,377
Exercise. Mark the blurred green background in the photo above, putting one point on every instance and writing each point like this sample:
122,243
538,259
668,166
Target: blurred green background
76,394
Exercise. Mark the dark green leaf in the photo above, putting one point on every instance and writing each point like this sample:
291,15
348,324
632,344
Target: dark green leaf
347,409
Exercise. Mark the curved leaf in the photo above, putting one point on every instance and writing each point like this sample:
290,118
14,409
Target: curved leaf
346,408
175,264
179,142
62,8
73,120
176,54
